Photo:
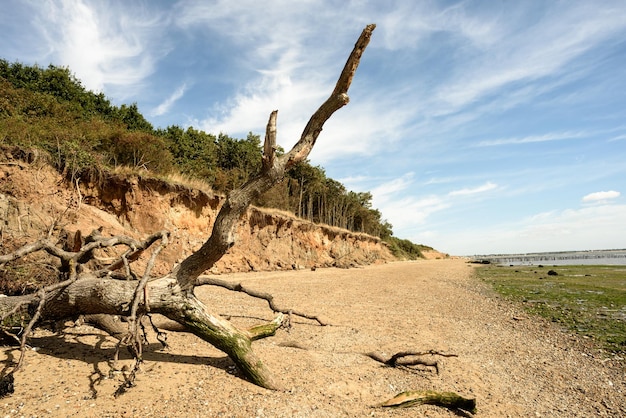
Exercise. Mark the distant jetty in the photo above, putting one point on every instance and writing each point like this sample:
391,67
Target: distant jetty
609,257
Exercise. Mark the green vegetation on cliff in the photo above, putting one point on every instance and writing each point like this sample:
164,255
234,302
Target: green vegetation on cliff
49,109
405,249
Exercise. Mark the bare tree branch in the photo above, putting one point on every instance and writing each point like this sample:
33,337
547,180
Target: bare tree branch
41,294
223,235
337,100
137,250
269,148
43,244
238,287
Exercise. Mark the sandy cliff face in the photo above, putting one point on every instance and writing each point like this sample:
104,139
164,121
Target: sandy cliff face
35,198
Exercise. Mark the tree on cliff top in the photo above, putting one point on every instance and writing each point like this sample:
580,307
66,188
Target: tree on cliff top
49,109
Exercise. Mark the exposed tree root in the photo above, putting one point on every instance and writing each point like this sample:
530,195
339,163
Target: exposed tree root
72,260
403,359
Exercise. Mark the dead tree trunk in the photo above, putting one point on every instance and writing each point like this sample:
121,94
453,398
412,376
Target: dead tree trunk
85,292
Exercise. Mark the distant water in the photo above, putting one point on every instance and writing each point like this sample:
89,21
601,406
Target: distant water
599,257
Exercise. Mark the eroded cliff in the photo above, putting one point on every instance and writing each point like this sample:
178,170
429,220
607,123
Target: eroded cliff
36,199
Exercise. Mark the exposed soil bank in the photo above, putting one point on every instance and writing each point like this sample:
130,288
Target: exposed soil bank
35,198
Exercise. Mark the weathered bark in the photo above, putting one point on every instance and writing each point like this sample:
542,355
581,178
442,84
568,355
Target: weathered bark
273,170
226,337
448,400
408,358
88,296
101,293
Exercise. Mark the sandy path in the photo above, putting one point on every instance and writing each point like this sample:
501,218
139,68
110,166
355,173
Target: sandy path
512,365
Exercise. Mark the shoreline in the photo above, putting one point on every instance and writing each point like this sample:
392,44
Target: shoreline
591,257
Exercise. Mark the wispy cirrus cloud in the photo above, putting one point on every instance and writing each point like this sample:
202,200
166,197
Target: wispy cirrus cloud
408,209
165,106
495,57
274,69
474,190
526,54
394,198
555,136
293,68
104,44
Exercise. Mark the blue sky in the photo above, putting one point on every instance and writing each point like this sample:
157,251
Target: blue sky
479,126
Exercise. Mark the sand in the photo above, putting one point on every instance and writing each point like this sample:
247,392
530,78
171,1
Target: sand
513,364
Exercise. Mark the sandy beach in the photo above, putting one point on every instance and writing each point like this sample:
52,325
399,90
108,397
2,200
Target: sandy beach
513,364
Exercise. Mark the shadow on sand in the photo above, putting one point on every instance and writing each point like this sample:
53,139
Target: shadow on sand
99,355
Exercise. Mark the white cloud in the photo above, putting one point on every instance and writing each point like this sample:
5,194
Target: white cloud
167,103
273,45
555,136
355,183
531,52
601,196
410,212
406,212
441,180
249,109
386,190
364,127
105,45
472,191
393,198
597,227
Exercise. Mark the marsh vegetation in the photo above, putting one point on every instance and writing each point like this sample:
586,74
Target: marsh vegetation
587,299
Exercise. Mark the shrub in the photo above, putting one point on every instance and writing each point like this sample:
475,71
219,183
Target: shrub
138,150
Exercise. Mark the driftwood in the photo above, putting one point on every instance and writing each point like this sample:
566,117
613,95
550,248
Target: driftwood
82,291
448,400
408,358
402,359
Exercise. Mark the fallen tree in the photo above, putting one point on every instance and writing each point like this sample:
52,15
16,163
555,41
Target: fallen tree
118,300
115,290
